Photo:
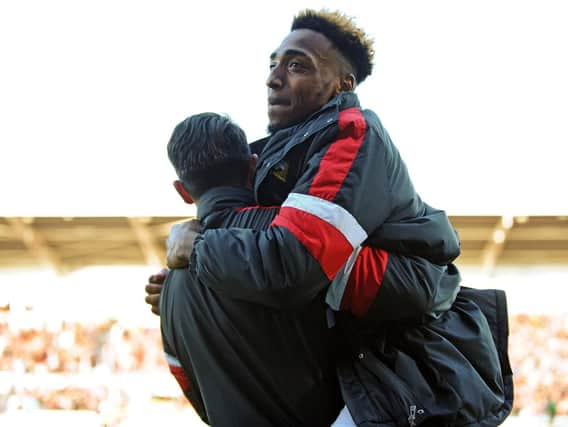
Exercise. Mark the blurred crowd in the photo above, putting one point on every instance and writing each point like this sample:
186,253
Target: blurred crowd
70,365
78,366
64,347
538,351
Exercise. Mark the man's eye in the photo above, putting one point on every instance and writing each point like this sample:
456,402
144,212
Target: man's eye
295,66
272,66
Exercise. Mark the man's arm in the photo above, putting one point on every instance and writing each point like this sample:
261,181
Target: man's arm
379,286
376,284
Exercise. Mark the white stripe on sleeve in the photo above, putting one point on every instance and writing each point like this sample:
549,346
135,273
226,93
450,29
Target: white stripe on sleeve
331,213
336,289
172,361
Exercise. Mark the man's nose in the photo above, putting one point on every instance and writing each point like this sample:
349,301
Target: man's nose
275,79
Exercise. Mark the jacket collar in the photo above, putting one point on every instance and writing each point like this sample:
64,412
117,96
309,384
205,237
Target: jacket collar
340,102
219,199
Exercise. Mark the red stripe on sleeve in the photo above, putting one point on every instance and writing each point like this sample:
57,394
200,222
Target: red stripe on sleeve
339,157
180,377
365,280
321,239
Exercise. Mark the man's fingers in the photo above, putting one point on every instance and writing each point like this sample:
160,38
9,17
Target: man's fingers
152,288
152,299
159,277
174,261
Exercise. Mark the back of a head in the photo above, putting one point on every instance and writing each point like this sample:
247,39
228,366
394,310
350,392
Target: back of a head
350,40
208,150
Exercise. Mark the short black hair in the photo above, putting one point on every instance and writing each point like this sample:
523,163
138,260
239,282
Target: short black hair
340,29
208,150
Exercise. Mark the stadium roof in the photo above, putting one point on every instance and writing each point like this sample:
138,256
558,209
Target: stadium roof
67,244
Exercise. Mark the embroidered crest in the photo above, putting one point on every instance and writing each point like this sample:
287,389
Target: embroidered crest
280,170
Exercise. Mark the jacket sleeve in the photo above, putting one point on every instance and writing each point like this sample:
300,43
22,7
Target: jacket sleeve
184,376
190,391
328,214
378,287
429,235
401,274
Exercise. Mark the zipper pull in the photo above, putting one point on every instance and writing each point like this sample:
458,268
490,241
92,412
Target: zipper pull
412,416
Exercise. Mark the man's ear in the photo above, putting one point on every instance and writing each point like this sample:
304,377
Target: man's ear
182,191
252,170
348,83
345,83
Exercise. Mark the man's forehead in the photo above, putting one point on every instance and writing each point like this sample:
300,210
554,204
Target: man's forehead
303,42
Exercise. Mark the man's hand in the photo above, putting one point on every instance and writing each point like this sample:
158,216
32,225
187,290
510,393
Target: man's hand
153,289
180,243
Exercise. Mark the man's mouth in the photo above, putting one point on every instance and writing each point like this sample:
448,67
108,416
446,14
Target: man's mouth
274,101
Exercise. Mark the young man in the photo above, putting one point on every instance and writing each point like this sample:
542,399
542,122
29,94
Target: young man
340,181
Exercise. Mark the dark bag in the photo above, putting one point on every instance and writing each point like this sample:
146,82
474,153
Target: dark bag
449,371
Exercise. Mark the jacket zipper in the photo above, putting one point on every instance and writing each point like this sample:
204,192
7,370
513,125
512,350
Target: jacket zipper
412,416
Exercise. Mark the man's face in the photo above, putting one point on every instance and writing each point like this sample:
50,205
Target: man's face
304,75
